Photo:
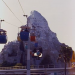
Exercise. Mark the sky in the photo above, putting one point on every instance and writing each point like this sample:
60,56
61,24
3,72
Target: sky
60,15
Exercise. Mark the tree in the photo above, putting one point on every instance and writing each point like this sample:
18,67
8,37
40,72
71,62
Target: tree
65,53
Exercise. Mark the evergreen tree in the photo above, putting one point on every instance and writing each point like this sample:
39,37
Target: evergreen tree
66,52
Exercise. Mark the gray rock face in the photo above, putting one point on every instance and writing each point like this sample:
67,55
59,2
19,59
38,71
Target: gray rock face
44,36
10,52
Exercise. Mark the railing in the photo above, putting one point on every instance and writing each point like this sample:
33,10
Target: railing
41,69
14,67
24,67
42,66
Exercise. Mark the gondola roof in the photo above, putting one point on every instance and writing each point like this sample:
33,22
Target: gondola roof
2,30
24,27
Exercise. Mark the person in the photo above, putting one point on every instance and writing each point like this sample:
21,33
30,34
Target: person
0,33
26,30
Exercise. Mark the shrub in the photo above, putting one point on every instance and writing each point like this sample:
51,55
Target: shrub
18,64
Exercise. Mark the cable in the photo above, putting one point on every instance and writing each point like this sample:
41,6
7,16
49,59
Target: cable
10,23
21,7
11,11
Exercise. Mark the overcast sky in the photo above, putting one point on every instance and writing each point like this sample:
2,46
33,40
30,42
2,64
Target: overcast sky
60,15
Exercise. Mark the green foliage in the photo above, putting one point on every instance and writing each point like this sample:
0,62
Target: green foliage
46,60
66,52
18,64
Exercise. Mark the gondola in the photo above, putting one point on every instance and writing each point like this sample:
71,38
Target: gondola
3,36
24,33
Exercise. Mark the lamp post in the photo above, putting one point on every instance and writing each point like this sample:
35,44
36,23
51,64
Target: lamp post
28,49
0,23
28,58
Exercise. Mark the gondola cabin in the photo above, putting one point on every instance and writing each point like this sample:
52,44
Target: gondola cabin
32,37
38,54
3,36
18,38
24,33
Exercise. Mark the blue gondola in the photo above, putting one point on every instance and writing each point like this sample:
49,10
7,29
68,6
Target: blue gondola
3,37
24,34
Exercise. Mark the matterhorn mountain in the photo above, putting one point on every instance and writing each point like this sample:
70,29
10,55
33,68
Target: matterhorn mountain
46,39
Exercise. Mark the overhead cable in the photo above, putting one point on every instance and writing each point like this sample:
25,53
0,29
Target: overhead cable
11,11
10,23
21,7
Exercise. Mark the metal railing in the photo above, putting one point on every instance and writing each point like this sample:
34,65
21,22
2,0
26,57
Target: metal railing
24,67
